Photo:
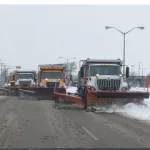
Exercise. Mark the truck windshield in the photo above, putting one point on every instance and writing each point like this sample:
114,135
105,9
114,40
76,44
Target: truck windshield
25,76
105,70
52,75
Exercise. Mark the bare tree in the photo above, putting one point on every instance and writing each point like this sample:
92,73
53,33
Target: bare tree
72,68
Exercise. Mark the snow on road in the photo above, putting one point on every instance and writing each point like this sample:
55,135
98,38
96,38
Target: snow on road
130,110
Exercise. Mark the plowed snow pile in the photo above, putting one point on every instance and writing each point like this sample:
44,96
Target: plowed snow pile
130,110
137,111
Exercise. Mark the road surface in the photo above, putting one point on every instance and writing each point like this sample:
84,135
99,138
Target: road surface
36,124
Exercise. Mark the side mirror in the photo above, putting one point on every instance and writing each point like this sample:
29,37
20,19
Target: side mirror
82,72
127,72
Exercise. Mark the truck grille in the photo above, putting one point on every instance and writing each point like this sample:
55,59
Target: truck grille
25,83
12,84
52,84
105,84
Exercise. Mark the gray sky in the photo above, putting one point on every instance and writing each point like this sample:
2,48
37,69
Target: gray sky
31,35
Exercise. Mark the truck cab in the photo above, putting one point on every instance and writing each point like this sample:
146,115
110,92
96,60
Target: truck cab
24,79
102,75
51,75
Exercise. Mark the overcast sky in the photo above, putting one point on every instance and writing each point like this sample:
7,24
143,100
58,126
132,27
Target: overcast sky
31,35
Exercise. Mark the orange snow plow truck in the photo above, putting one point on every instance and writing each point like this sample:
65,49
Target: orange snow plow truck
51,77
100,82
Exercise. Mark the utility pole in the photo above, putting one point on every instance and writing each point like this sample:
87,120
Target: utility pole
139,68
1,72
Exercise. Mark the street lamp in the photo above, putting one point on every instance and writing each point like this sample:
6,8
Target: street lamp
67,59
124,34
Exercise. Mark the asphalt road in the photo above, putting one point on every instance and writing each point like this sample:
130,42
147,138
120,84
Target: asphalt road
36,124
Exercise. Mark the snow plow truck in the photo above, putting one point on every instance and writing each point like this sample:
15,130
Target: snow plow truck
21,80
101,82
51,78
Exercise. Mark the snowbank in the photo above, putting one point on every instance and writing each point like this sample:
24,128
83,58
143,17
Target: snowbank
140,112
133,111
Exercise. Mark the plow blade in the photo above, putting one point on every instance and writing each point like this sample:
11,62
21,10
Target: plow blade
27,91
68,99
102,98
9,91
108,97
47,93
4,91
121,94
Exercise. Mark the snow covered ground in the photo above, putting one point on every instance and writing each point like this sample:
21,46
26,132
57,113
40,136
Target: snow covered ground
130,110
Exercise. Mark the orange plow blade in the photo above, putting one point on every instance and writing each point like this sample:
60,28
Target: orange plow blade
4,91
117,97
68,99
95,98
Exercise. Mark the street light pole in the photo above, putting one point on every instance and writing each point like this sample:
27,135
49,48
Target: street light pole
124,34
139,68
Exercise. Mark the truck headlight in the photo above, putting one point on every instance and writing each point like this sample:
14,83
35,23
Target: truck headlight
121,75
97,75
